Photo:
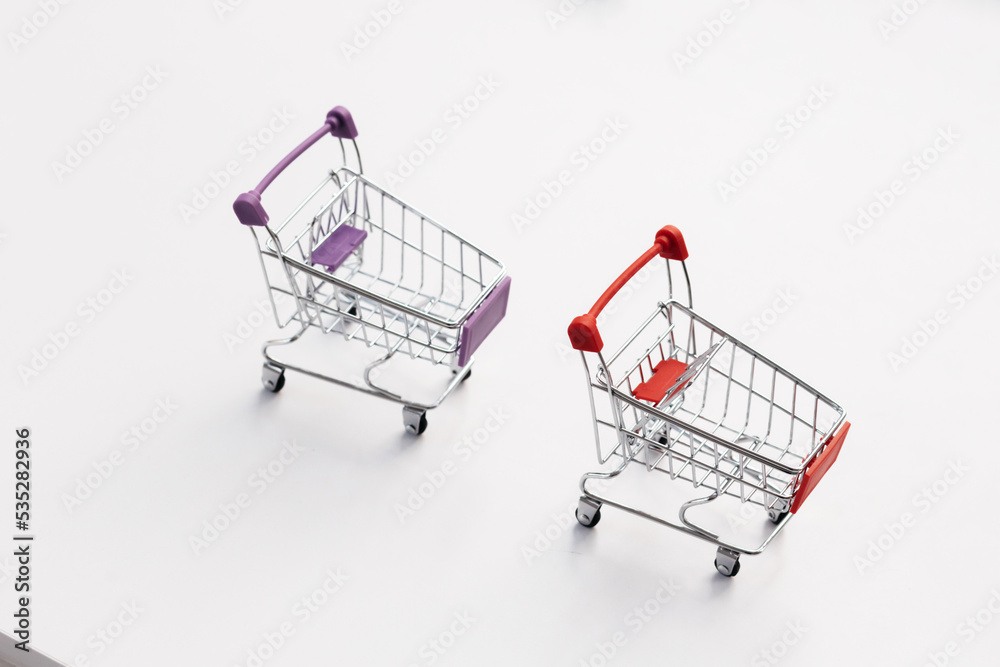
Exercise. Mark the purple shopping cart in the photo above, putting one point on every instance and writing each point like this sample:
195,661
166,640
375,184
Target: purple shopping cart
353,260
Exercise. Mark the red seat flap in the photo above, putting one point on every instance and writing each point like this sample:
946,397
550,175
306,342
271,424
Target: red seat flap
664,376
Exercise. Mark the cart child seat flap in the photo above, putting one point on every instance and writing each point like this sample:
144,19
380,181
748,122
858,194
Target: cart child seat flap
481,323
338,246
664,376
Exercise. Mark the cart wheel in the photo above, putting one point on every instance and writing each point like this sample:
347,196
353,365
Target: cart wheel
415,420
273,378
468,374
353,310
588,512
727,562
775,516
593,522
731,573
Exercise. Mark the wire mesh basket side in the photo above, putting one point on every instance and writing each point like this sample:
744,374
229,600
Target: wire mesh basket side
742,426
407,288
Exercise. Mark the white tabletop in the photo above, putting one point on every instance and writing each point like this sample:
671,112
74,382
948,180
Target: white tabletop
759,129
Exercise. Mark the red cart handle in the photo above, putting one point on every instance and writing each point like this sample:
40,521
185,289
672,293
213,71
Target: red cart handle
247,206
583,333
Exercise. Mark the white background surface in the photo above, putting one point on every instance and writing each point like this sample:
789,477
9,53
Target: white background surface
686,129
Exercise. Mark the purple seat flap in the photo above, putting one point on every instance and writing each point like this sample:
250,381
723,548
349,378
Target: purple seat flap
479,325
338,246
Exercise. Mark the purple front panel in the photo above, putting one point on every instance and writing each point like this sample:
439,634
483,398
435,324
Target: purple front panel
479,325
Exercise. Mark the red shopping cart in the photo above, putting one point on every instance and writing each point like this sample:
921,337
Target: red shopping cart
684,398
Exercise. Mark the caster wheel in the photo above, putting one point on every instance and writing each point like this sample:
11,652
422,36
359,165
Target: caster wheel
353,311
414,420
588,512
593,522
775,516
468,374
727,562
273,378
729,573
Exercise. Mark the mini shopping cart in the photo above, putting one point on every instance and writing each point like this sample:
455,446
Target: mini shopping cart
686,399
354,261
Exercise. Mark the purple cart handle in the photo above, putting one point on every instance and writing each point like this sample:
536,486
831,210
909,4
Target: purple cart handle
247,206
